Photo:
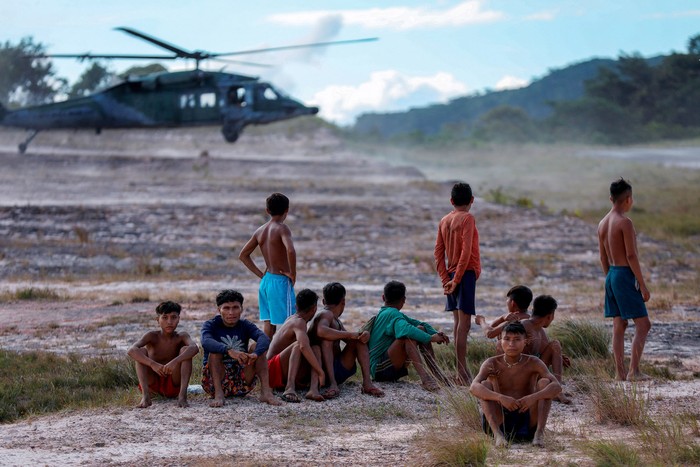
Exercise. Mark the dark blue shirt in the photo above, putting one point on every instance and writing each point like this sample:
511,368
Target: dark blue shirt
219,338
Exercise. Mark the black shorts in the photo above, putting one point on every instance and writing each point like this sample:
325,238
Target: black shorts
386,371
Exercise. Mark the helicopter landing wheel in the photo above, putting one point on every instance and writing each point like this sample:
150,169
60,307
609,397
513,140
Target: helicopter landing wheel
22,148
231,133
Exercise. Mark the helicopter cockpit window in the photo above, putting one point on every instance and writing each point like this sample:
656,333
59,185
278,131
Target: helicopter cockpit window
270,94
236,96
208,99
188,101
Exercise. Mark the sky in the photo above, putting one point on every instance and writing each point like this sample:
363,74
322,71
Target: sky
427,52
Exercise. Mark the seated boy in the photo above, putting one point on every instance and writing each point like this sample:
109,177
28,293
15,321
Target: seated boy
518,300
539,345
230,365
397,340
289,344
327,331
515,391
164,358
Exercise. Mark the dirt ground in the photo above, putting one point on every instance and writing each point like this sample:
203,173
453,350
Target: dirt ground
162,215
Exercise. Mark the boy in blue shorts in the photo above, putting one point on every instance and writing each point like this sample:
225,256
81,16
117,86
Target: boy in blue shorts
276,295
458,264
625,289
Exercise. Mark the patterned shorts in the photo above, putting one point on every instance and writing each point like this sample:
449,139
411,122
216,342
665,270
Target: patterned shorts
234,383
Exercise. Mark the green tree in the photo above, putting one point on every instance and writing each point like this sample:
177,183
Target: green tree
27,79
506,124
92,79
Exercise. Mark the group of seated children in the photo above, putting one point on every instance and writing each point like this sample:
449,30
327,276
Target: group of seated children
515,386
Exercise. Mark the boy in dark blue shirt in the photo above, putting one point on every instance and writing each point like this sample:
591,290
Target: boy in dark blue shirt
230,365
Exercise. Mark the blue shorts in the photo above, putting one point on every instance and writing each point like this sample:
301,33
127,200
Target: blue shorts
464,297
276,298
622,296
341,373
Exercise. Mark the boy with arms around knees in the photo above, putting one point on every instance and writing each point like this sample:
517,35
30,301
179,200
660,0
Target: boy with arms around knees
230,364
518,300
327,331
458,264
539,345
515,391
291,354
625,289
164,358
397,340
276,294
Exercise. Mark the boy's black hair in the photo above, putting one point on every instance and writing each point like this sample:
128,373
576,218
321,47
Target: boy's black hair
514,327
394,291
461,194
544,305
521,295
306,299
168,307
619,189
277,204
229,295
333,293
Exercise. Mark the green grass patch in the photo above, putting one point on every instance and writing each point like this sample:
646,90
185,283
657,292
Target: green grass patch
612,454
40,382
617,402
457,449
673,440
582,338
31,293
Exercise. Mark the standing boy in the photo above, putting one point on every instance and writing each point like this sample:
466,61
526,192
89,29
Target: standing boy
291,354
276,293
625,289
516,391
397,340
458,244
164,358
230,364
327,331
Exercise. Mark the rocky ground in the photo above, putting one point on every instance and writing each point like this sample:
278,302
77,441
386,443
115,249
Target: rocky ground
150,217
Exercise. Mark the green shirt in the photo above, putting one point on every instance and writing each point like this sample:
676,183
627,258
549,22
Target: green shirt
390,324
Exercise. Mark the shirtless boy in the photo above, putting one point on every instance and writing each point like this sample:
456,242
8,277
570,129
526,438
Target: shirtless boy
290,352
625,289
276,293
164,358
515,391
230,363
539,345
518,300
458,264
397,340
327,331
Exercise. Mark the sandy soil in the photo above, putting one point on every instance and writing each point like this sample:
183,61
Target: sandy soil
154,216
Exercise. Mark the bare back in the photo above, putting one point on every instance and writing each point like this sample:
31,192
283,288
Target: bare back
615,231
537,339
273,237
286,335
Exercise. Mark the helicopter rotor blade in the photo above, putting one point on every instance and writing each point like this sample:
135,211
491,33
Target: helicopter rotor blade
90,56
240,62
290,47
173,48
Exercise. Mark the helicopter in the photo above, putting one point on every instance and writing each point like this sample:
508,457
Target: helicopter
168,99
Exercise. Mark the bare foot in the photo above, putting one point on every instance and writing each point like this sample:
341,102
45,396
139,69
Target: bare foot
182,402
145,402
538,440
500,440
217,402
638,377
315,396
269,399
563,398
480,320
430,385
372,390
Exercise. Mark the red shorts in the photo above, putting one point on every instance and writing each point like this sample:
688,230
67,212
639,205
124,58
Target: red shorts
274,369
163,386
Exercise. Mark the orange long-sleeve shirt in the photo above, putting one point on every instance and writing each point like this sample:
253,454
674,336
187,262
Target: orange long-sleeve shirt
458,239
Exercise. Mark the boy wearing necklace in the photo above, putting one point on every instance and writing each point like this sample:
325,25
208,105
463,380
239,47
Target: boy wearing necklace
515,391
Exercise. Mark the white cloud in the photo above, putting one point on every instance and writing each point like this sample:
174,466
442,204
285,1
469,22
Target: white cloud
402,18
548,15
387,90
511,82
675,14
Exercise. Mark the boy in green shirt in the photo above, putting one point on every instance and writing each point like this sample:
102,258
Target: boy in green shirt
397,340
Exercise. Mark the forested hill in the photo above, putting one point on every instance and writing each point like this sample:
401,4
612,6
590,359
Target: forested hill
460,114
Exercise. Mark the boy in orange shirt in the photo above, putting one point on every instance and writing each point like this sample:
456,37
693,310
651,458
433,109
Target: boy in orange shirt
458,264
